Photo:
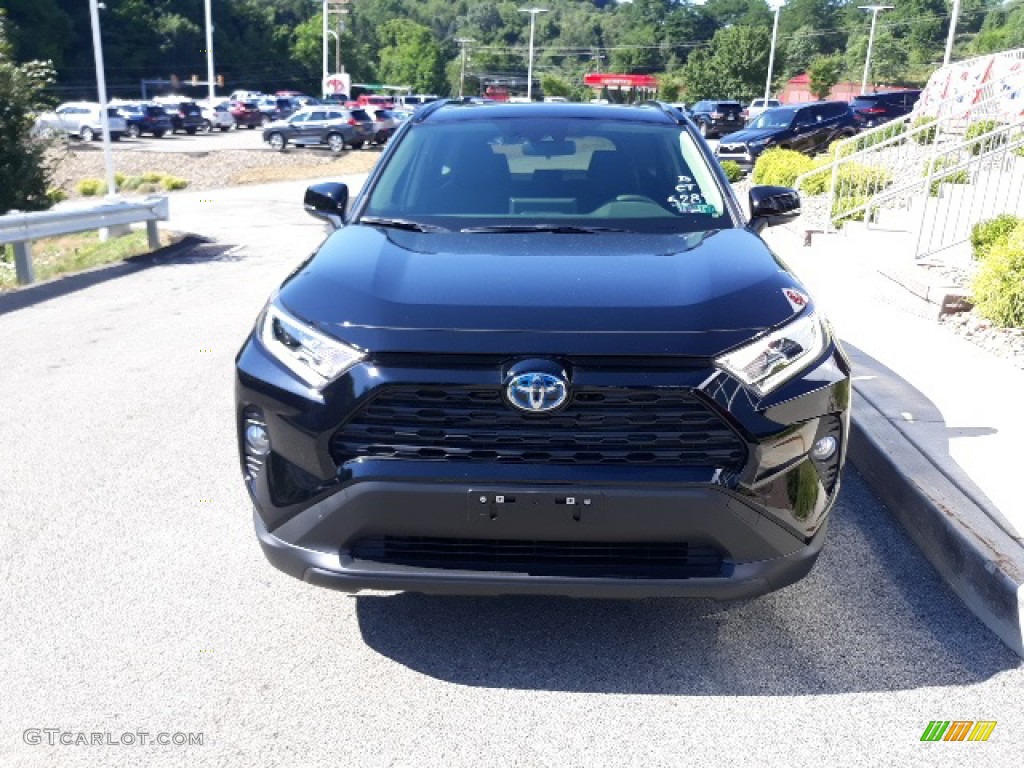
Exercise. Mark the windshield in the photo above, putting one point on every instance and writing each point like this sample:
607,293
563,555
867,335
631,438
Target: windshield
593,173
774,118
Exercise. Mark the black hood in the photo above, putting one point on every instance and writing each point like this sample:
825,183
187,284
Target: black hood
608,294
751,134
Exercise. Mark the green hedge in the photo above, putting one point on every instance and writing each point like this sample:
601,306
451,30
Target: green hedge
941,176
998,287
732,169
992,232
853,179
780,167
892,129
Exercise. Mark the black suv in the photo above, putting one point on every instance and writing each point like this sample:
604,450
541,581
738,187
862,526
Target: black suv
871,109
186,116
544,352
807,128
145,118
713,118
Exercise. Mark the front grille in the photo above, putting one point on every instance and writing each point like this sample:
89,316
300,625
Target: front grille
606,426
732,149
642,560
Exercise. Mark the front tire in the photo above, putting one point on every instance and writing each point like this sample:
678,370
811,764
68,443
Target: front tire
704,130
336,142
277,142
190,131
134,132
85,133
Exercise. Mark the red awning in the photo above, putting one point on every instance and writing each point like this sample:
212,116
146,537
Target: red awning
610,80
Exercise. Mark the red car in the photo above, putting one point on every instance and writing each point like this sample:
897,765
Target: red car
246,113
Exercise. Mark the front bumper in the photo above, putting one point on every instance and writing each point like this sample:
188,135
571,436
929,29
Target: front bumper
749,519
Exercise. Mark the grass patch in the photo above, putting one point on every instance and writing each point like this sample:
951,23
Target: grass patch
55,256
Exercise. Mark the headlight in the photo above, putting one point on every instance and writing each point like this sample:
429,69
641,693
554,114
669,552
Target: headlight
777,357
758,142
313,357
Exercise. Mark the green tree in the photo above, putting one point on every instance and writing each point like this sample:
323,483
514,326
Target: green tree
824,73
734,65
410,56
22,163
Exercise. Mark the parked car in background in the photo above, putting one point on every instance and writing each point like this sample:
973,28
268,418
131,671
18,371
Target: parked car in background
247,114
320,125
807,128
871,109
384,123
216,116
141,117
758,106
186,116
714,118
544,352
276,108
82,119
414,100
375,100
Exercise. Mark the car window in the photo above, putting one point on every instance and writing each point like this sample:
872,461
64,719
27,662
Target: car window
774,118
360,114
729,106
300,117
318,115
601,173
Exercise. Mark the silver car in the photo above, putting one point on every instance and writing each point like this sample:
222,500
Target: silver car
81,119
217,115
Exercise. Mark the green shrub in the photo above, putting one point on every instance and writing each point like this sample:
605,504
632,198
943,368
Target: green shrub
891,130
988,233
119,179
980,129
56,195
173,182
732,169
152,177
780,167
91,187
843,204
147,187
942,176
926,136
837,149
818,183
130,182
998,287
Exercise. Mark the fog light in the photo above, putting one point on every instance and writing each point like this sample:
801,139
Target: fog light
257,440
824,448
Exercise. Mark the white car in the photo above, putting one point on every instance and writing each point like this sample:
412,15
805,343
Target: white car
81,119
217,115
758,106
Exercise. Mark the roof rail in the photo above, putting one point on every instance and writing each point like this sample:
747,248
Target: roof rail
428,109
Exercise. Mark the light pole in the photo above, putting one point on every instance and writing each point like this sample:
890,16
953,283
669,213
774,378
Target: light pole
101,87
337,49
209,51
323,78
771,56
529,68
463,42
875,10
952,32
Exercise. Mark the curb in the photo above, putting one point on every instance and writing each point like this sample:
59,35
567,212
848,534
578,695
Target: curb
982,565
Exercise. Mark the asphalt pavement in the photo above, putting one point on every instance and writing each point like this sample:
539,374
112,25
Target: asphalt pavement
137,599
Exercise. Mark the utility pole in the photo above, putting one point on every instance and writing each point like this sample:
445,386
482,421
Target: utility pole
875,10
101,88
529,68
463,42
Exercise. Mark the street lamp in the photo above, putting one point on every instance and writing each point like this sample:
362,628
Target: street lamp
529,69
771,56
463,42
952,32
209,52
875,10
101,87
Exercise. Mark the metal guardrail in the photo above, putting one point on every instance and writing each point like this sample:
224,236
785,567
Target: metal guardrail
20,229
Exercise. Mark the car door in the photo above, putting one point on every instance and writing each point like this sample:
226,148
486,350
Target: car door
804,126
314,126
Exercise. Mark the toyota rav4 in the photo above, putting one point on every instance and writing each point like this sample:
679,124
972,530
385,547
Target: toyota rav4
544,351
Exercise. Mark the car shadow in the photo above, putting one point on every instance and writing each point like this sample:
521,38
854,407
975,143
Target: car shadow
191,249
872,616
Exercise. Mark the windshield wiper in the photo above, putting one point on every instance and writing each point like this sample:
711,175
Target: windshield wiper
561,229
412,226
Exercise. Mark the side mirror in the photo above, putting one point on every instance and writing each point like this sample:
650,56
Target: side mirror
771,206
327,201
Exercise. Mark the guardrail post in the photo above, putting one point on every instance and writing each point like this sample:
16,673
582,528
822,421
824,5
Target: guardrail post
153,234
23,263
